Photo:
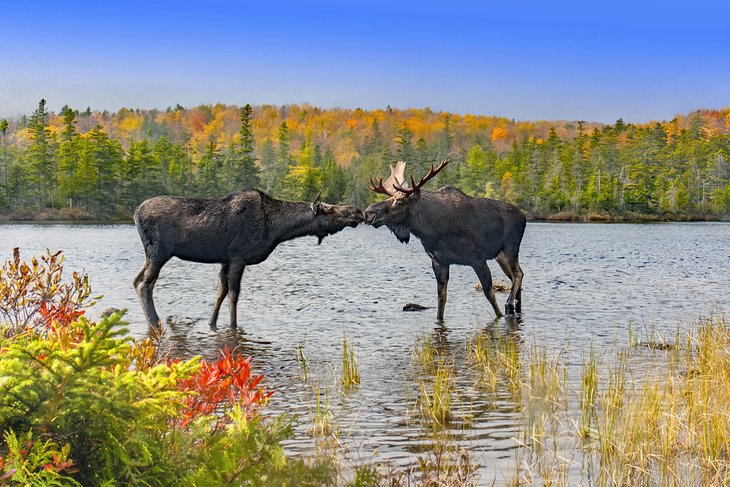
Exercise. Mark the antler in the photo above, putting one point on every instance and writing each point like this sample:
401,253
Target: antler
379,188
415,187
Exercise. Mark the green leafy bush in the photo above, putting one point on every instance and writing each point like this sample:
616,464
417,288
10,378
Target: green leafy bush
121,413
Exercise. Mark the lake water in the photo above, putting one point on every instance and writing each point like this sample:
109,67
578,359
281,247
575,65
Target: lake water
584,284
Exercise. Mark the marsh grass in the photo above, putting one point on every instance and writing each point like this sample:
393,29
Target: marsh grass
302,363
663,425
436,379
588,396
495,357
446,465
350,373
436,395
425,353
657,413
323,419
441,400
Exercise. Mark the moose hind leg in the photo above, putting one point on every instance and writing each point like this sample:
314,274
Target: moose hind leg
222,293
518,294
485,278
442,283
234,288
144,284
511,267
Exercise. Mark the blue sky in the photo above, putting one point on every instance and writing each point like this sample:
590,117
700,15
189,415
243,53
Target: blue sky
594,61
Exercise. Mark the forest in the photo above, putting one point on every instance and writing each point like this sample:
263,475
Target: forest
100,165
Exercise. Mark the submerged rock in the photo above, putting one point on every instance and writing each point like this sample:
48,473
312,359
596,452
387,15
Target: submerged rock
180,320
109,311
414,307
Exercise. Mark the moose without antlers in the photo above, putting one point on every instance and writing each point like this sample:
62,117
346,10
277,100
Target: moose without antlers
238,230
454,229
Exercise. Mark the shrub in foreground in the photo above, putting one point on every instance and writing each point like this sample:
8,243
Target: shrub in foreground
82,403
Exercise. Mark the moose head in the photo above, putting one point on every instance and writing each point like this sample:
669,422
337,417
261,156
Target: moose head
396,211
331,219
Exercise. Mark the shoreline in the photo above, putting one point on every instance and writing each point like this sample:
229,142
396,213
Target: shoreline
68,216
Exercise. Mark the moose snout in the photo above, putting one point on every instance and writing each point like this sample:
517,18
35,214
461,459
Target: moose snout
358,215
370,216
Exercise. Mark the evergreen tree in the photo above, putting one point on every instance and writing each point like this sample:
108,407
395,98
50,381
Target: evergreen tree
334,179
373,140
423,157
209,183
245,173
4,164
179,173
104,157
268,164
69,159
141,174
303,180
404,150
40,154
283,160
445,142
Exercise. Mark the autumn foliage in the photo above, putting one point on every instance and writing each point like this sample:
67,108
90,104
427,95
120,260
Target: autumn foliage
33,295
73,165
226,381
83,403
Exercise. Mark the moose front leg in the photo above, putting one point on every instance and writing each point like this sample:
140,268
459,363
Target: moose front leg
485,277
442,281
234,288
222,293
144,284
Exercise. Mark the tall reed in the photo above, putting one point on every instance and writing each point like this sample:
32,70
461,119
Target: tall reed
350,373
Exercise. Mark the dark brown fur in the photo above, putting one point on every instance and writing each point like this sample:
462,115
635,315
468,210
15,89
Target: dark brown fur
238,230
457,229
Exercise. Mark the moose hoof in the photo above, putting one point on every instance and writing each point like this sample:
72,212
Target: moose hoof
509,309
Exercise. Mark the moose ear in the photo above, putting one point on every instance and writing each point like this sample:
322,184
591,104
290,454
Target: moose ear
316,205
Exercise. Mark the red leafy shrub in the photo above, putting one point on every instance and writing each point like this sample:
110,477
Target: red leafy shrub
220,385
83,403
33,295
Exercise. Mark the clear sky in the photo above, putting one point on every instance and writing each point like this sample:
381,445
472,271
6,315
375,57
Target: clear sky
528,60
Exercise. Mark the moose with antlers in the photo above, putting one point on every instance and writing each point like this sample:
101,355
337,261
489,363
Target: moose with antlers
454,229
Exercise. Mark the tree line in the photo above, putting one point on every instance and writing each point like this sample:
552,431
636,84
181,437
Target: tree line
103,164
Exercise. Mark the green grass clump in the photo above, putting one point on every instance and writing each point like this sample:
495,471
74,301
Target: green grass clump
323,423
350,374
496,357
437,395
302,363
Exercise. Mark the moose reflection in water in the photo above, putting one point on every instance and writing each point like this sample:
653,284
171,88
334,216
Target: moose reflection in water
238,230
454,229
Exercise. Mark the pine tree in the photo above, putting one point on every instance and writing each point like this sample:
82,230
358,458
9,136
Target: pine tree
69,159
245,173
334,179
179,173
373,140
211,163
105,157
445,142
404,148
4,165
41,161
283,160
268,164
474,172
422,158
